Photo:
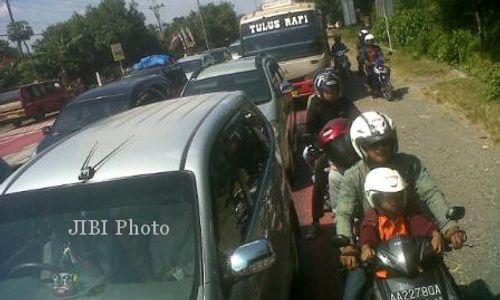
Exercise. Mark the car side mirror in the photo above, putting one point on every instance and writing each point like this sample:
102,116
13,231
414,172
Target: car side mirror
340,241
286,87
455,213
251,258
47,130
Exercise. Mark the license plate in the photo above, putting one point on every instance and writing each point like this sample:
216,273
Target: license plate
430,292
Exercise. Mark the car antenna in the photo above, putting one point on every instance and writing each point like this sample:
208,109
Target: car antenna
87,172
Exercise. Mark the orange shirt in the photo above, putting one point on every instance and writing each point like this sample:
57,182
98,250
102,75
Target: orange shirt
387,229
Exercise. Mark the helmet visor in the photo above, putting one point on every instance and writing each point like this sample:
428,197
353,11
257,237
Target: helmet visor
376,142
390,202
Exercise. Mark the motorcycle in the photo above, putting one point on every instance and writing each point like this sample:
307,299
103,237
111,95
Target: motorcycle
415,271
382,80
342,64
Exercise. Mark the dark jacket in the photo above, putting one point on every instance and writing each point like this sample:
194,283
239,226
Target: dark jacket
418,225
320,112
338,46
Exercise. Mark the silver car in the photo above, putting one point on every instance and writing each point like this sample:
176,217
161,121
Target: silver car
183,199
261,78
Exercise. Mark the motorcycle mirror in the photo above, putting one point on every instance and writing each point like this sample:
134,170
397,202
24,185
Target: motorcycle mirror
340,241
455,213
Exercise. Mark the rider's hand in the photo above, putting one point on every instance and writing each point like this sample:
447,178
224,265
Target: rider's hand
348,257
367,253
437,242
456,237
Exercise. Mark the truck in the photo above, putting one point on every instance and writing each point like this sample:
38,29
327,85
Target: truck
294,33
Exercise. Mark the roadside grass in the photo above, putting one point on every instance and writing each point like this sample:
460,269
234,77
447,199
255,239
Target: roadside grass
464,93
467,96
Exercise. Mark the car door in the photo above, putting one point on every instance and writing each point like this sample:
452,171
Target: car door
245,205
285,113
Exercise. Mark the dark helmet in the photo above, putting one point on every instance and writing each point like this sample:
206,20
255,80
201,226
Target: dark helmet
326,80
334,139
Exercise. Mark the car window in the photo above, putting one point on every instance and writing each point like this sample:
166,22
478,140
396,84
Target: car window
253,83
148,96
77,115
236,171
146,239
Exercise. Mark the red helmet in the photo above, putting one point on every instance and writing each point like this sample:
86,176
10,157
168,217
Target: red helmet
334,139
332,130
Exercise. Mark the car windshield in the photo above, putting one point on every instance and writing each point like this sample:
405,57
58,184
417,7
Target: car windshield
190,65
253,83
78,115
126,239
284,43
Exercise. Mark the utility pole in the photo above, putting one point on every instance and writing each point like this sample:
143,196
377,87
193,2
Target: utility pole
19,43
203,25
156,11
19,47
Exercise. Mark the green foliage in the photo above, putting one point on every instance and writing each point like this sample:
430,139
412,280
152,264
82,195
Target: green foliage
221,23
80,46
420,31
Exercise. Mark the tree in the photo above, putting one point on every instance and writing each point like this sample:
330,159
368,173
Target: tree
20,32
221,23
80,46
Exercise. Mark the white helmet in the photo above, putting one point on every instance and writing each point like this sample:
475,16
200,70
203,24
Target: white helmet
382,182
369,39
362,32
371,127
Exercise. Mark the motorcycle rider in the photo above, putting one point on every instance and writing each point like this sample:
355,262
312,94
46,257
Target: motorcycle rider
360,44
370,55
374,139
326,104
338,46
386,192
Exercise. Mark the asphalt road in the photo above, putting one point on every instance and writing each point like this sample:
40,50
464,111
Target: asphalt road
466,166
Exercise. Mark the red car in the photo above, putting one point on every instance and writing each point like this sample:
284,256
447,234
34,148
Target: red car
31,101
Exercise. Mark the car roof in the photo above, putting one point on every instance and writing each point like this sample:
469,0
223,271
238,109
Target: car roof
215,50
124,86
150,139
193,57
243,64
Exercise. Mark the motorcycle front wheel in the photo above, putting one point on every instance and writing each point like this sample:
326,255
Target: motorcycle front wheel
386,90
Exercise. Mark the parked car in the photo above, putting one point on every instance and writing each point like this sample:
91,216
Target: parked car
261,78
235,49
182,199
192,63
31,101
5,170
105,101
219,54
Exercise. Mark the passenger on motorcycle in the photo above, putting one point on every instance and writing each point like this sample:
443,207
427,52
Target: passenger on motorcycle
371,55
338,46
374,139
326,104
386,192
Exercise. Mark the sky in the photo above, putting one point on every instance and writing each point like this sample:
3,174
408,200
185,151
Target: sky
42,13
